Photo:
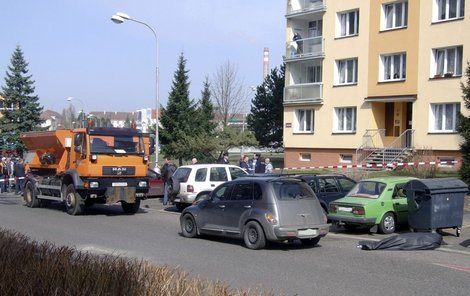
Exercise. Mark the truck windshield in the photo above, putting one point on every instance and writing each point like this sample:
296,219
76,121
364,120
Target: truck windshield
121,144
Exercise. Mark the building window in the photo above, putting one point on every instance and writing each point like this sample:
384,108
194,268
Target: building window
345,158
348,23
393,67
305,157
345,120
304,121
395,15
346,71
444,117
446,162
448,9
448,61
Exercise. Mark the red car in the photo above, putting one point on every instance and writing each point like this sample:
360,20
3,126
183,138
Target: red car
156,185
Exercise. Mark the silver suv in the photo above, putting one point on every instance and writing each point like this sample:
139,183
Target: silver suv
258,209
192,181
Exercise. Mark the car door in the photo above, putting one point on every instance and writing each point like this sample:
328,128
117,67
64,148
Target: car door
156,185
329,189
213,211
400,203
241,201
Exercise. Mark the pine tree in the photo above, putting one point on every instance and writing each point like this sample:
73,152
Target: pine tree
464,130
22,110
178,117
266,116
206,110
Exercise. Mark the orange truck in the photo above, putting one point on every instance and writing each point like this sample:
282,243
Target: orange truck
85,166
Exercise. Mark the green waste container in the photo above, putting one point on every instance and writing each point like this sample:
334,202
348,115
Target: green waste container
434,204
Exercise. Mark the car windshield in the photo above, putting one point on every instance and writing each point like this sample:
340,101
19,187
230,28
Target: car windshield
293,190
367,189
109,144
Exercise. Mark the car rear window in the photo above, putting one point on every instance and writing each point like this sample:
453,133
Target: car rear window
293,190
368,189
182,174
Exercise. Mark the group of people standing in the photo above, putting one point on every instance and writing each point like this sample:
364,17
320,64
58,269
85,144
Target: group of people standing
256,165
12,170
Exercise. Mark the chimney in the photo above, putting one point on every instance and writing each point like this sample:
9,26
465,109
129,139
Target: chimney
265,63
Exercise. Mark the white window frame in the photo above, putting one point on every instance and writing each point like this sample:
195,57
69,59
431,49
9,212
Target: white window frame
443,10
348,23
394,15
443,117
341,122
346,71
392,67
305,156
304,121
447,61
345,158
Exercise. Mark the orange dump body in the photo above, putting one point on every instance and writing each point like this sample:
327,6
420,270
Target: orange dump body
49,149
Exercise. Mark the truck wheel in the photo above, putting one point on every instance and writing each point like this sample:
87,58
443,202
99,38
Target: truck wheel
74,203
131,208
29,196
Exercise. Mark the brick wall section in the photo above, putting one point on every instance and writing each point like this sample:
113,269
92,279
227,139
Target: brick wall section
329,157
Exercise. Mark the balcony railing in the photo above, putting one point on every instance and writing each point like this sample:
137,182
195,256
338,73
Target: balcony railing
300,6
303,93
308,47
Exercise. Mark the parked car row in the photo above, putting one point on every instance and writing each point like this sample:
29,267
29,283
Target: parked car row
224,200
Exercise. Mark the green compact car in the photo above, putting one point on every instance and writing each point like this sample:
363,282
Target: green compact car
376,203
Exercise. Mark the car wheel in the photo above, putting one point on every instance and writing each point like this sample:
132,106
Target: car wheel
174,186
74,204
310,241
387,225
131,208
253,235
188,226
29,196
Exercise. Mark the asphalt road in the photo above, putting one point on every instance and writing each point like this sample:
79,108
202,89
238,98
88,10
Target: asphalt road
335,267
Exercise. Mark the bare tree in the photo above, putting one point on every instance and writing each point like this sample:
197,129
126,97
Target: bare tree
229,94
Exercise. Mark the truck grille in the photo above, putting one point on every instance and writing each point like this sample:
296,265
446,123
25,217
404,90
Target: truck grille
118,170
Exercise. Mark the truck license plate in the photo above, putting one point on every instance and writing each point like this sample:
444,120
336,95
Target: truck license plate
119,184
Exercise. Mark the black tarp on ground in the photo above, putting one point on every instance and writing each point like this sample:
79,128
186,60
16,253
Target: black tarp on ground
405,241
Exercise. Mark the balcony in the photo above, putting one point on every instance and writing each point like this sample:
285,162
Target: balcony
298,7
308,93
305,48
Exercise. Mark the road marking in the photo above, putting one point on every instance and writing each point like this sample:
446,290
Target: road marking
456,267
103,251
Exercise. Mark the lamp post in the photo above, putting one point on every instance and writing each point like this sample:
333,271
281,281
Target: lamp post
119,18
82,111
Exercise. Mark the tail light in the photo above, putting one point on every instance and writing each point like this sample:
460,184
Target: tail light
189,188
333,208
358,211
270,218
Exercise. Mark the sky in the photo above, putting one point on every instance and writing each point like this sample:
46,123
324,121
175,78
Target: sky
74,49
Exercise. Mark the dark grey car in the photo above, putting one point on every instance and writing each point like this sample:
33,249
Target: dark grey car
258,209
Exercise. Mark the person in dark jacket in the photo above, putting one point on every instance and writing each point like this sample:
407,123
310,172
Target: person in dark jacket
19,175
224,159
167,172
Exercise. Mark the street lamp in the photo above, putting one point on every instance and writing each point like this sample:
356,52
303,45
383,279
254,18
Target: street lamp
82,111
119,18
